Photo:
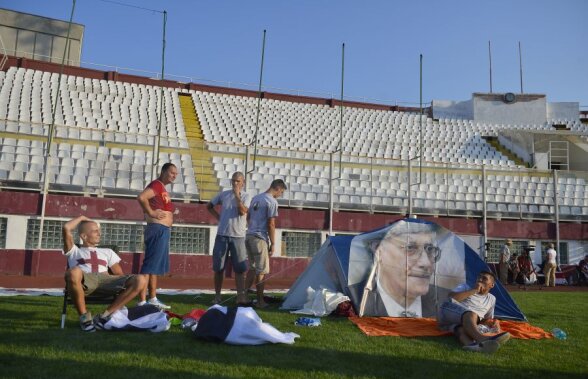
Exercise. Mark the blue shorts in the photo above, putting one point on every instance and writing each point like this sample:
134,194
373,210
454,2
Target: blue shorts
224,245
156,260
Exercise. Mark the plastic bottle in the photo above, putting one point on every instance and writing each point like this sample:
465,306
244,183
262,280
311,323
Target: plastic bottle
307,321
559,334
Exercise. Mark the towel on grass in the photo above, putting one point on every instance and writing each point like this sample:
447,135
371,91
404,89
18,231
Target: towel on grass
140,318
427,327
238,326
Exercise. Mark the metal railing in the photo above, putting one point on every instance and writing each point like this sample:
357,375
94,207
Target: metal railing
221,83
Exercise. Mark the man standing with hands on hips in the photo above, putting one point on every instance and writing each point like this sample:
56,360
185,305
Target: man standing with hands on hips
230,237
260,240
158,210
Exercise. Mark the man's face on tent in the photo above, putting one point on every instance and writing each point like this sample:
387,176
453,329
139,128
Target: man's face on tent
407,263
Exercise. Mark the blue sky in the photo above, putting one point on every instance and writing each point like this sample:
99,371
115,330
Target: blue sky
220,40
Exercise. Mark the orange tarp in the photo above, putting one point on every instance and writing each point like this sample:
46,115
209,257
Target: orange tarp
427,327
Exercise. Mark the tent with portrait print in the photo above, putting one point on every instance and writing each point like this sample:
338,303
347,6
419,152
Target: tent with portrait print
405,269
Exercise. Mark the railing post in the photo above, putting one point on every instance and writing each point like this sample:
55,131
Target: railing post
556,211
484,214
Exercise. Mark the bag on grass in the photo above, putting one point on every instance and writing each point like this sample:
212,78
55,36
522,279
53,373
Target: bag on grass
140,318
238,326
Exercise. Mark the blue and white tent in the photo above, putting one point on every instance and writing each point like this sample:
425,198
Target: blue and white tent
405,269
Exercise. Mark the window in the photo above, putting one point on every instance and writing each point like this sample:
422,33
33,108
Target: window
126,237
300,244
3,222
495,247
51,234
562,253
189,240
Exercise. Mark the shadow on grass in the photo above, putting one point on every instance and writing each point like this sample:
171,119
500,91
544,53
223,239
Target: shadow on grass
199,359
326,351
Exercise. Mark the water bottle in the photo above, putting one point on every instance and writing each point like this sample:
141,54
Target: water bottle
559,334
307,321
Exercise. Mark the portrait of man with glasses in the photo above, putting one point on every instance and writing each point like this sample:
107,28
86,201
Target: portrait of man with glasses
402,280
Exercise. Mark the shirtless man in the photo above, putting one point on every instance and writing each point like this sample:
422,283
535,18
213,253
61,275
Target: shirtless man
158,210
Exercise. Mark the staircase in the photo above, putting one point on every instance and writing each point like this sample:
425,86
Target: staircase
205,177
493,141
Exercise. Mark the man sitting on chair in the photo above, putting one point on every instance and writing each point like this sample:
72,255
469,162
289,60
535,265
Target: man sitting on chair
88,273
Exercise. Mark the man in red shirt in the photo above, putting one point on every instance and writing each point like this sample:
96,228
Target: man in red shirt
158,210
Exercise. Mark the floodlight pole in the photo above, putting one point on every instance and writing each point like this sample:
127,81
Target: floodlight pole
51,130
490,60
521,66
157,144
421,119
420,151
259,94
341,110
339,147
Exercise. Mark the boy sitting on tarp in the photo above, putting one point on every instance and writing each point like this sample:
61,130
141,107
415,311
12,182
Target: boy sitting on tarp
466,308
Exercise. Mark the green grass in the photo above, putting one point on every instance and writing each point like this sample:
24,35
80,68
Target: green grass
33,346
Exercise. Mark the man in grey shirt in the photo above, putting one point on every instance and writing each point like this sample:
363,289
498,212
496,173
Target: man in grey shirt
260,240
230,237
466,308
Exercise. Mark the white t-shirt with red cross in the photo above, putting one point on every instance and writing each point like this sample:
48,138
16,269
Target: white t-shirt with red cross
91,259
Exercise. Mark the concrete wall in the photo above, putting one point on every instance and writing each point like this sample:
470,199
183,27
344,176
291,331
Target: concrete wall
578,161
41,38
453,109
525,109
563,111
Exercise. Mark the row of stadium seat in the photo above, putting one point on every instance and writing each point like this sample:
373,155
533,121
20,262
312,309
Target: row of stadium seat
110,111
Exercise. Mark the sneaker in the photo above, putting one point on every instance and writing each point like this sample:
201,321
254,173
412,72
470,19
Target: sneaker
100,321
86,323
501,338
141,303
155,301
487,347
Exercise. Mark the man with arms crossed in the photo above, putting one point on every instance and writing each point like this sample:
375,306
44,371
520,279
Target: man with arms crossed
466,308
158,210
230,237
88,273
260,240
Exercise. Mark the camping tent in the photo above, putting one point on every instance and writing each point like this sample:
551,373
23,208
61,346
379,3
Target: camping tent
405,269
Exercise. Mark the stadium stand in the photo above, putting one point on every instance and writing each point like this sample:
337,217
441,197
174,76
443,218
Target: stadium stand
105,130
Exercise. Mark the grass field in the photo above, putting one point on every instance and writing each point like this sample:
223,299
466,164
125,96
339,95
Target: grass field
33,346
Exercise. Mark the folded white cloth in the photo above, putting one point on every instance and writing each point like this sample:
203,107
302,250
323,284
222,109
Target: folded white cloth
322,302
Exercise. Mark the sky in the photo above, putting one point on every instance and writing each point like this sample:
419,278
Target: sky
220,42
